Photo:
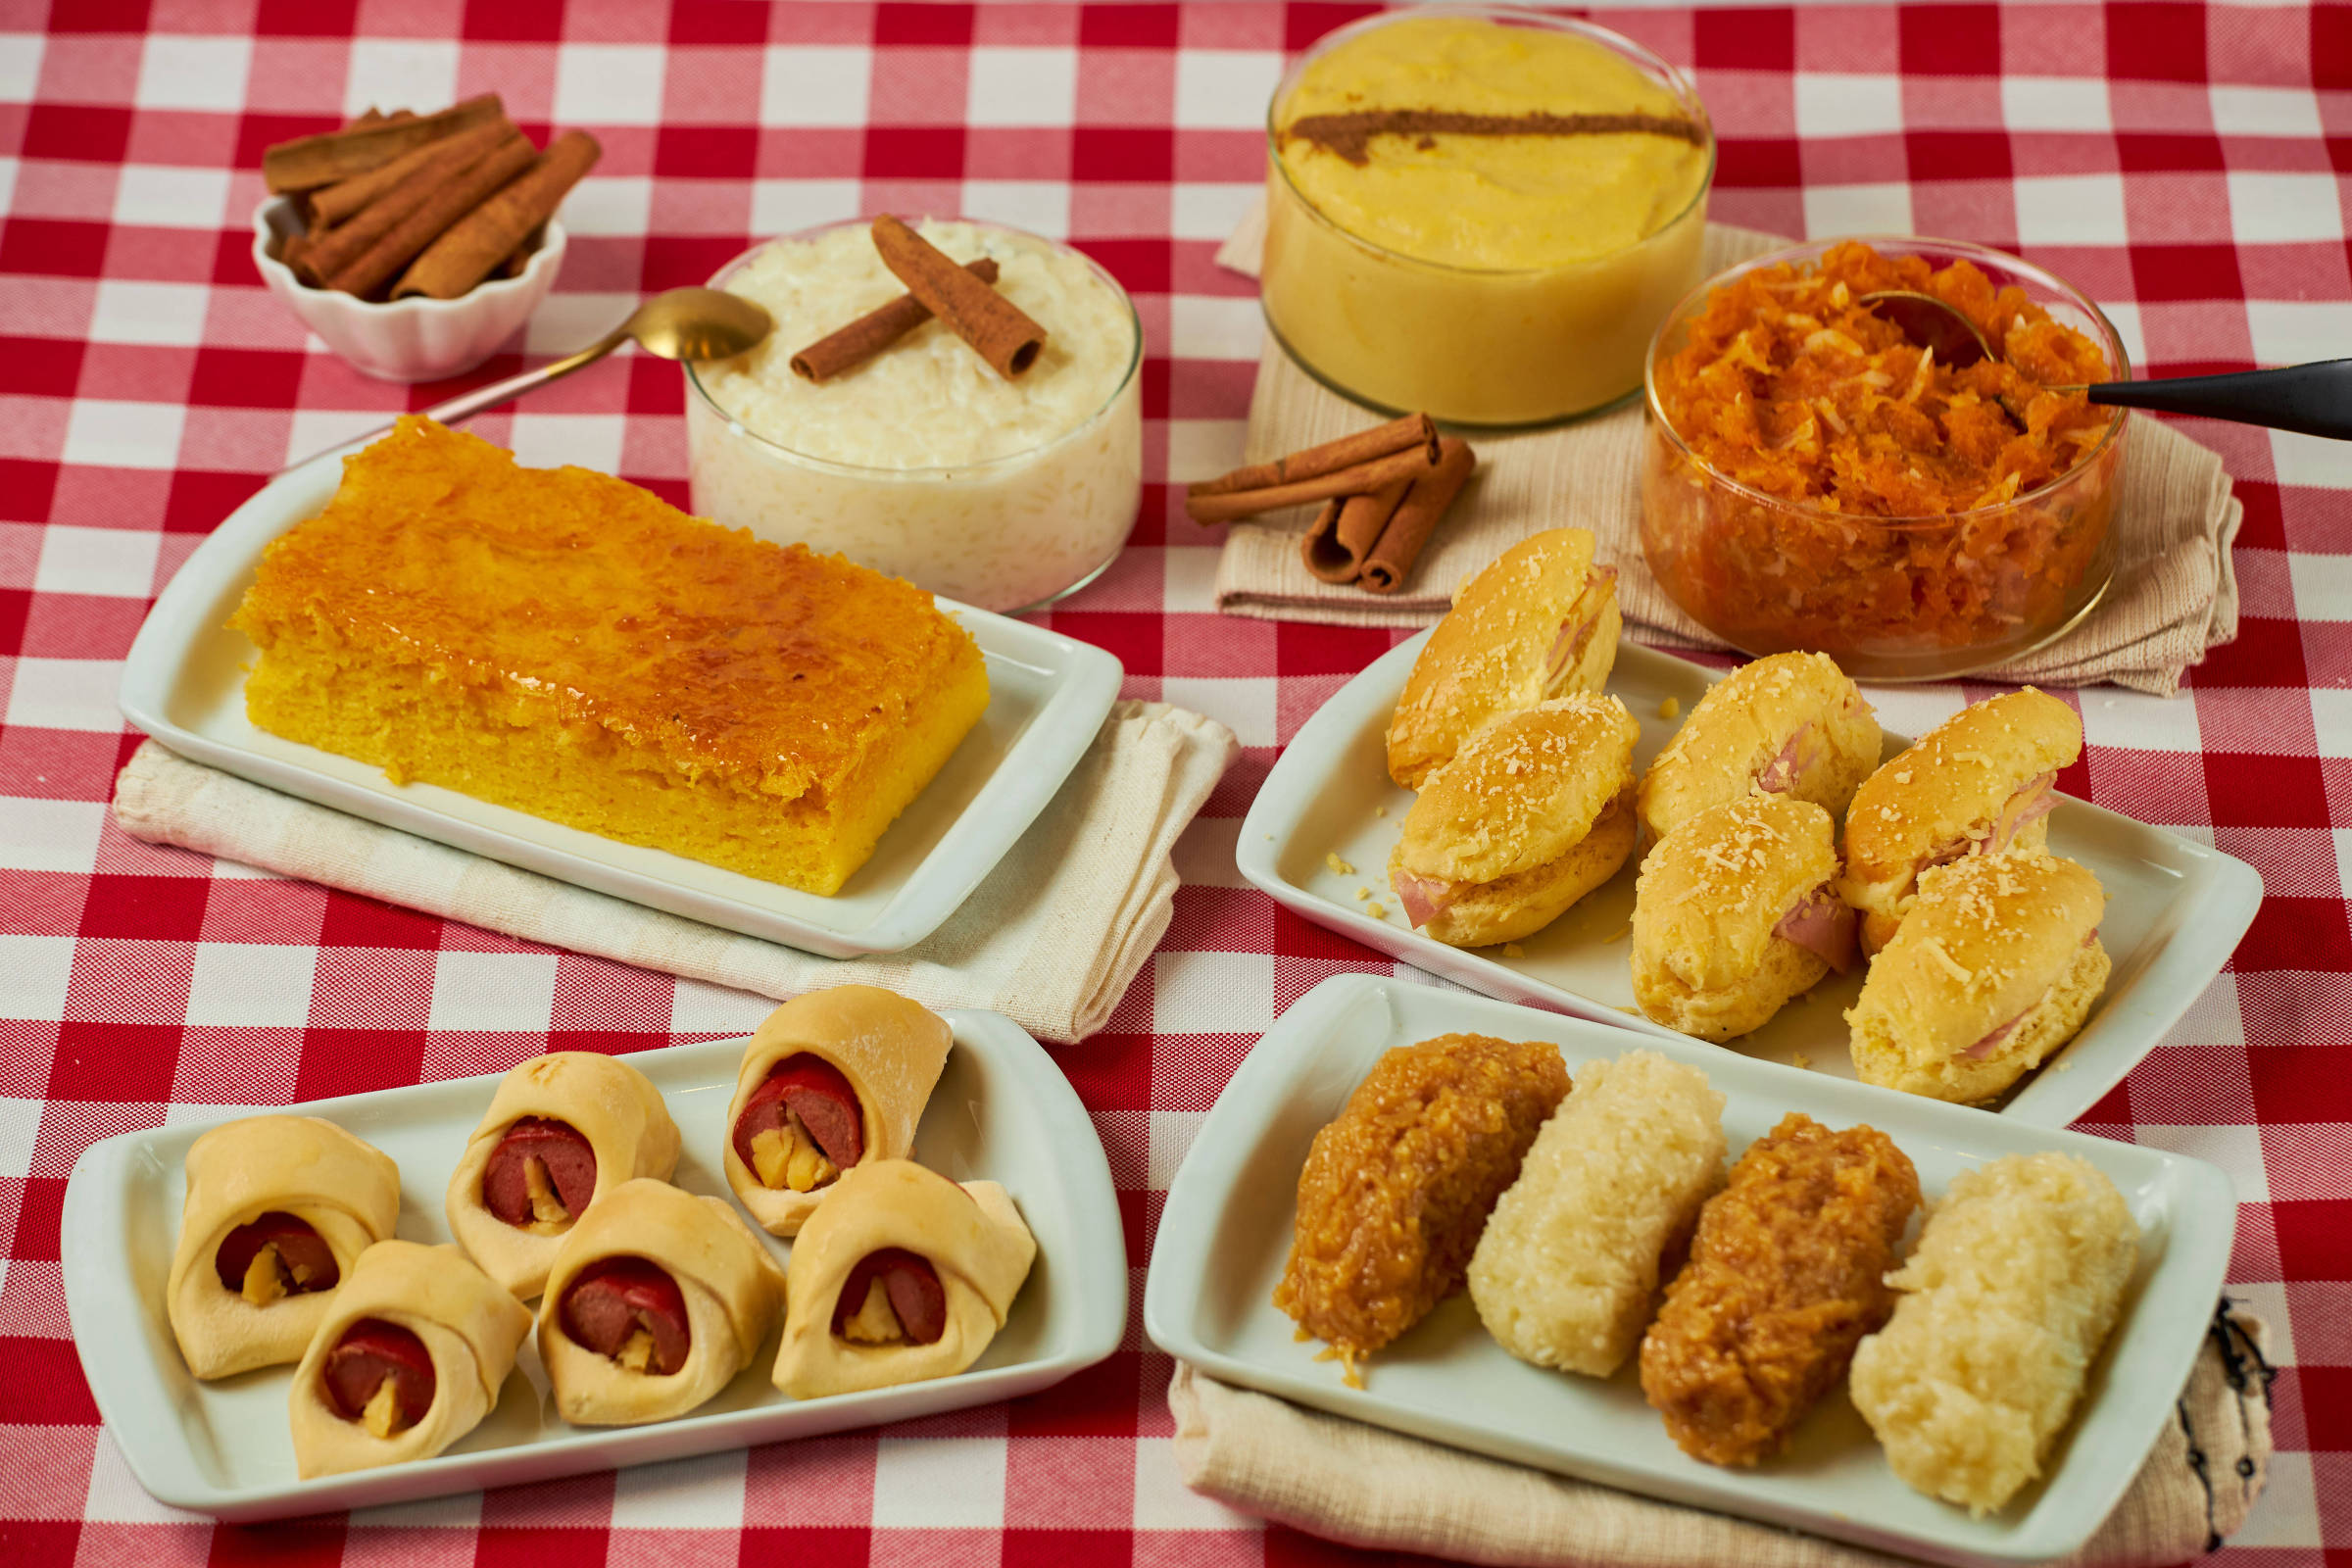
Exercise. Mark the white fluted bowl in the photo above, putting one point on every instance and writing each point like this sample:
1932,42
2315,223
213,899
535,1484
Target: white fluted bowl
412,339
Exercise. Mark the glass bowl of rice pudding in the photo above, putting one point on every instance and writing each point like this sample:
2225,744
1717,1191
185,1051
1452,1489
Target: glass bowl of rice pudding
923,462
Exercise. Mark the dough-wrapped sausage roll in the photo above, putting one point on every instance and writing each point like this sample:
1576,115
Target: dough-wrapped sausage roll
411,1357
900,1276
279,1210
657,1300
1397,1185
829,1080
2017,1279
563,1130
1564,1274
1786,1274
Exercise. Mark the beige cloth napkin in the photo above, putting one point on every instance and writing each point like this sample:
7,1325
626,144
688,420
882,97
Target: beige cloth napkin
2174,596
1370,1487
1052,938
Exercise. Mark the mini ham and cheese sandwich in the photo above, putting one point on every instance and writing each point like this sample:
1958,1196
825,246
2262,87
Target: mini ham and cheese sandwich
1995,968
1975,784
1536,811
1541,622
1735,914
1792,724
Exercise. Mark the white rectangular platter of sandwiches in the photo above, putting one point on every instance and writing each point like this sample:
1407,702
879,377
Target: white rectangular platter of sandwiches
1886,1319
562,1268
1518,802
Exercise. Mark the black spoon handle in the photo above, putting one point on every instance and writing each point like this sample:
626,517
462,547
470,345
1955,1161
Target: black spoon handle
2310,399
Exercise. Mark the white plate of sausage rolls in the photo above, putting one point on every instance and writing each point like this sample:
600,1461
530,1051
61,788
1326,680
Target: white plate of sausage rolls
584,1262
1718,1281
1518,802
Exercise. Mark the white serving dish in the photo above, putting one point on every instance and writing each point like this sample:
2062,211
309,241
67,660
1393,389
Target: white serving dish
412,339
2175,909
184,684
1003,1112
1225,1235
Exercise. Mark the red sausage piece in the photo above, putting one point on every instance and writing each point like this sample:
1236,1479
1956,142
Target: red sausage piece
298,1247
571,1168
371,1350
912,1285
813,1090
613,1296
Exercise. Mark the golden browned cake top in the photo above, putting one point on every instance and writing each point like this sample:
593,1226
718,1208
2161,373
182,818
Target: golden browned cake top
583,593
1397,1186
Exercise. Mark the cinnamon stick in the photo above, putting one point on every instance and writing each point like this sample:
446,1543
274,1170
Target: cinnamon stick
1347,452
345,198
1409,463
310,162
1347,530
998,330
478,241
1417,517
448,201
874,331
330,249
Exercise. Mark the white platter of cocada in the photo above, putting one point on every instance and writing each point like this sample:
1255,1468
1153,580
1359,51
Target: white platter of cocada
1884,1318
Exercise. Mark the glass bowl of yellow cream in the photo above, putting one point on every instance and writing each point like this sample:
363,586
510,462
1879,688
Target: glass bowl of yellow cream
1481,213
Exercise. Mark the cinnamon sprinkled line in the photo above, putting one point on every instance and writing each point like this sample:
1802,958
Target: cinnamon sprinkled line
1349,135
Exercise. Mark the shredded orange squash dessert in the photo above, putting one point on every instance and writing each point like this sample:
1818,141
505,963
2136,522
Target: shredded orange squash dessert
1912,505
1791,386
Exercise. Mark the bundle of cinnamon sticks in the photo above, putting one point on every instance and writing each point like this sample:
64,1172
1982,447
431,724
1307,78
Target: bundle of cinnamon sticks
1384,492
403,205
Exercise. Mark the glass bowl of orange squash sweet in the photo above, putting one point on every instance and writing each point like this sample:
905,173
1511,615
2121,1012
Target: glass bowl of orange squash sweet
1813,479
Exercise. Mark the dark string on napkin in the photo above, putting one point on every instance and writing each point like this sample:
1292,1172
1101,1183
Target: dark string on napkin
2243,1361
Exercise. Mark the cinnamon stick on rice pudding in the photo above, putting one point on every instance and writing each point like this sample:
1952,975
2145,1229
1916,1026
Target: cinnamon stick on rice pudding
922,461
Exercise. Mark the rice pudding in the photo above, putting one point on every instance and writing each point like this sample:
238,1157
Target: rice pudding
923,462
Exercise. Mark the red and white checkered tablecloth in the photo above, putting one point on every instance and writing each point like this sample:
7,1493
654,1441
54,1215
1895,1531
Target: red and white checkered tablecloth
2190,164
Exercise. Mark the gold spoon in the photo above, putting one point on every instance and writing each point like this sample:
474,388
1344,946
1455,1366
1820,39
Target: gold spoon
2310,399
680,324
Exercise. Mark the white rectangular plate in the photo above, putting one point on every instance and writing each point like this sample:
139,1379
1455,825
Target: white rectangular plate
2175,909
184,684
1226,1233
1002,1112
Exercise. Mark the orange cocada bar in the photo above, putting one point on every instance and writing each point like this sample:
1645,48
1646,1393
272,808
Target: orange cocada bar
1789,386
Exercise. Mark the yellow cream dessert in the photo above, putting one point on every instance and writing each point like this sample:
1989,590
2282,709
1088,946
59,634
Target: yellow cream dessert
563,643
1480,216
